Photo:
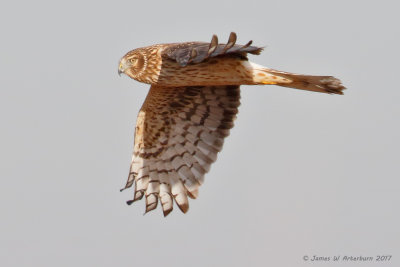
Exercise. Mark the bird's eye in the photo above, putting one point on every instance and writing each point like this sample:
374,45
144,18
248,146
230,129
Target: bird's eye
132,60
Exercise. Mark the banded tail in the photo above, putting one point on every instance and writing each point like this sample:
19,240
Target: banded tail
323,84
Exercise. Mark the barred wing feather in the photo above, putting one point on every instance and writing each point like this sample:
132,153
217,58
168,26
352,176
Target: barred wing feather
178,134
196,52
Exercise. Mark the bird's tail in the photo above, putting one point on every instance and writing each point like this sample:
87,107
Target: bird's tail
323,84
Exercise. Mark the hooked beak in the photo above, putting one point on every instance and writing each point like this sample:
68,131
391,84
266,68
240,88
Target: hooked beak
120,70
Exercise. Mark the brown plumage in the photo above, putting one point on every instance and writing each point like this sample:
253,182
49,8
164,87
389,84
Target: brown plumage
189,110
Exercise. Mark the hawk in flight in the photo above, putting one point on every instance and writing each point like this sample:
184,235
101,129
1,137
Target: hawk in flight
189,110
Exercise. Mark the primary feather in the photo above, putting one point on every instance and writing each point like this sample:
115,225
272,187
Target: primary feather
190,109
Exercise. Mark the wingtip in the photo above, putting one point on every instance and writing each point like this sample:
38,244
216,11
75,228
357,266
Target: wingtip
213,45
193,194
184,207
214,38
248,44
167,212
231,41
151,201
138,195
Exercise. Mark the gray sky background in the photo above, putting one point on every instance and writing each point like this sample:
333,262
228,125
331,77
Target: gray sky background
301,174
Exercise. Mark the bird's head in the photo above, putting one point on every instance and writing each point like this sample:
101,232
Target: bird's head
133,64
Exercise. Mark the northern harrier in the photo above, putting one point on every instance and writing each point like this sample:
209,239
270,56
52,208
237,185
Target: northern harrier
189,110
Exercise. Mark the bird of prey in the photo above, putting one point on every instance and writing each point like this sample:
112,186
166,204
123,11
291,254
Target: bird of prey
189,110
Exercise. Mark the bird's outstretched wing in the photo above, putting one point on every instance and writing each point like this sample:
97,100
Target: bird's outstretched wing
179,132
196,52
